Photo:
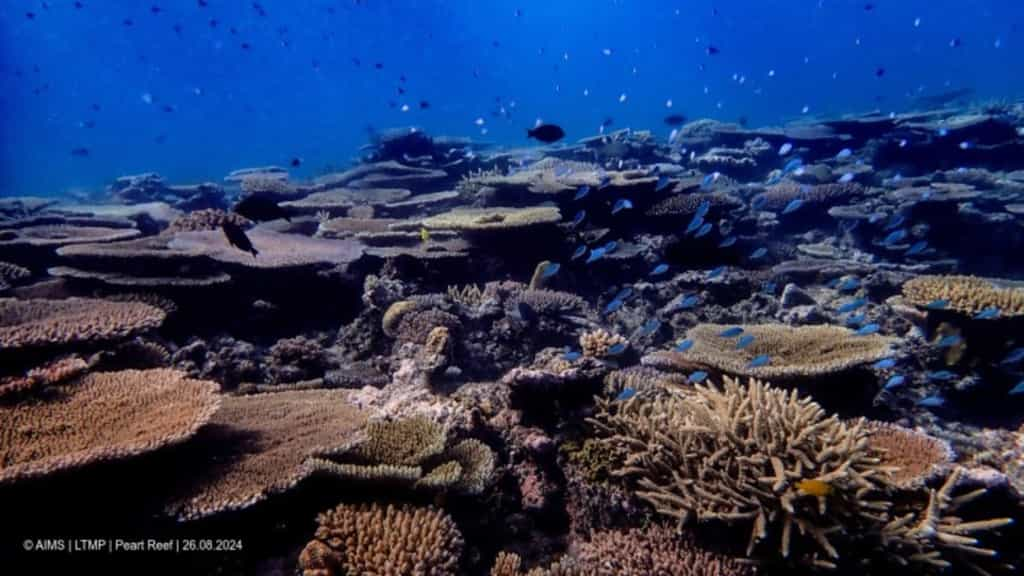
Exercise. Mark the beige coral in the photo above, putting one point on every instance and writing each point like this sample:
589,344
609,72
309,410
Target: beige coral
53,372
25,323
595,343
654,551
966,294
793,351
490,219
104,416
383,540
207,219
914,456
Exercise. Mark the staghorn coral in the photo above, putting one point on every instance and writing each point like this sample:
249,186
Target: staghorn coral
966,294
469,296
794,352
915,456
53,372
652,551
750,454
208,219
104,416
383,540
510,564
595,343
257,446
777,197
492,219
25,323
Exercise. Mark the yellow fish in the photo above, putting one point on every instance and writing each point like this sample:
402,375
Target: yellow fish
814,487
424,235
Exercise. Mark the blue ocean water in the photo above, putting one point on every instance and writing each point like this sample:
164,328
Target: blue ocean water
194,89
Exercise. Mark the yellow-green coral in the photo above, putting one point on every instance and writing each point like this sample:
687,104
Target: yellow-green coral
394,314
966,294
793,351
476,465
405,442
495,218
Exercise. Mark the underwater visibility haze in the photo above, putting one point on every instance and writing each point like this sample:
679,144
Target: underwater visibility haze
454,287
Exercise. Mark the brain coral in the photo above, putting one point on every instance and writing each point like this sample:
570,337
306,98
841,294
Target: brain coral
750,454
104,416
794,352
74,320
385,540
967,294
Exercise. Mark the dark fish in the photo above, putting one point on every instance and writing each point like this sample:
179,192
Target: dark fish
608,121
379,66
879,72
127,22
30,15
79,5
424,104
237,238
296,162
202,3
154,9
546,133
869,7
213,22
167,108
80,152
675,120
743,121
178,28
95,107
526,312
955,42
259,9
712,50
260,209
246,46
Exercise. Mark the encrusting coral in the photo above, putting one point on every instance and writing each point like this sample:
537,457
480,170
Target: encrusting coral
792,351
103,416
966,294
386,540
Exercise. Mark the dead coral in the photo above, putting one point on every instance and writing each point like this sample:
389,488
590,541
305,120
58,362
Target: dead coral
12,273
386,540
966,294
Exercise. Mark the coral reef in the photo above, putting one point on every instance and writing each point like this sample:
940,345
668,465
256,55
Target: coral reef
966,294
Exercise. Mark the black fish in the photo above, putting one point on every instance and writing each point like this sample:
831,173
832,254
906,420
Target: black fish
296,162
30,15
259,208
237,238
213,22
154,9
869,7
202,3
608,121
743,121
80,152
167,108
712,50
245,46
127,22
424,104
879,72
675,120
378,66
95,107
546,133
79,5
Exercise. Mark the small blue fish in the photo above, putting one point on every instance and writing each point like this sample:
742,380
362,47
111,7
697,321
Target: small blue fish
579,252
949,341
659,270
626,394
895,237
759,253
849,284
793,165
662,183
703,208
884,364
595,255
715,272
604,181
918,247
650,327
581,192
703,230
932,401
988,313
1018,389
562,170
620,205
744,341
688,302
759,360
610,246
731,332
613,306
616,349
941,375
775,179
943,132
698,376
571,356
856,320
868,329
852,305
895,221
696,222
623,294
793,206
769,287
844,153
550,270
684,345
1015,356
876,218
728,241
894,381
846,178
937,304
707,180
578,219
758,202
785,149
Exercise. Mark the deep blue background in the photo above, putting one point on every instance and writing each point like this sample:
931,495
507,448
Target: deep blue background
298,92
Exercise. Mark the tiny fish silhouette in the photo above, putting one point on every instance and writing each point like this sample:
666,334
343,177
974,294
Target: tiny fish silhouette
237,238
894,381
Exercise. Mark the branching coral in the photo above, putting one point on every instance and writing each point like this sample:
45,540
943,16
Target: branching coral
510,564
545,301
385,540
104,416
750,454
654,551
966,294
792,352
595,343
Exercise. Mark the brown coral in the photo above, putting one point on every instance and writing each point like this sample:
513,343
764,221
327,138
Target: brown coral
208,219
510,564
966,294
26,323
686,204
384,540
104,416
654,551
595,343
914,456
417,325
793,351
53,372
258,446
